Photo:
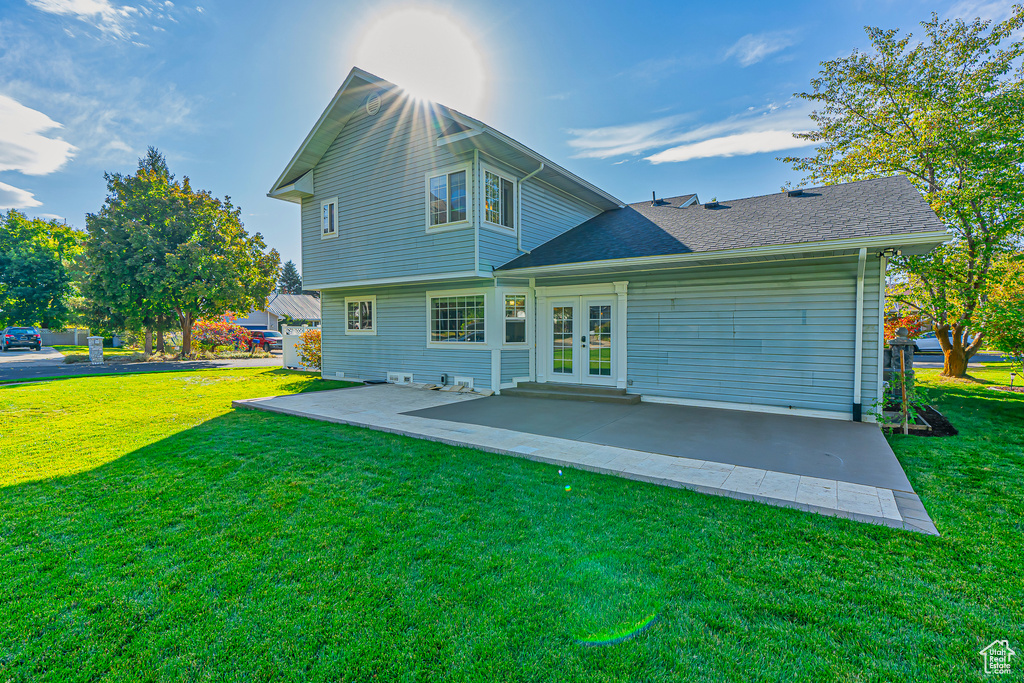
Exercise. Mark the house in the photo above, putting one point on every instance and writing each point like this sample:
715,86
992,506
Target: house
298,308
442,248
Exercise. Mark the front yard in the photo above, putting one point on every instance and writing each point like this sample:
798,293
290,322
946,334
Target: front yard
149,532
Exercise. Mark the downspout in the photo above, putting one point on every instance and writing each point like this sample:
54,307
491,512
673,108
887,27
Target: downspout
858,353
519,206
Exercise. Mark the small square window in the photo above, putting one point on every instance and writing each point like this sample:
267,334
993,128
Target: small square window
515,318
359,315
447,198
328,219
499,196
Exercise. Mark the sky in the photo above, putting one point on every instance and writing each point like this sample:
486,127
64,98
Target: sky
671,97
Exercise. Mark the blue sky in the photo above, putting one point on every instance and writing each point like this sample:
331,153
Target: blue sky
674,97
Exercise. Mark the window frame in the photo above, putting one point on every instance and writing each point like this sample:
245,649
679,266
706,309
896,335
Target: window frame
502,175
447,171
449,294
324,203
527,307
372,298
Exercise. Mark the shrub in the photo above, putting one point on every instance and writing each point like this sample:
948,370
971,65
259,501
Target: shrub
915,324
209,334
309,349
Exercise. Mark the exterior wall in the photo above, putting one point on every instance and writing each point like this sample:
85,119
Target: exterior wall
258,320
781,335
400,344
376,168
514,364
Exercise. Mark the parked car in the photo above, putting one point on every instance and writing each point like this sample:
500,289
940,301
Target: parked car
929,343
266,340
20,337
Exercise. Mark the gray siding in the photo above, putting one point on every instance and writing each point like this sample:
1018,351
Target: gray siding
400,344
376,168
514,363
779,334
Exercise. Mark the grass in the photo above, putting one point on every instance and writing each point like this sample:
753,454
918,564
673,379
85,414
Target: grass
69,349
148,532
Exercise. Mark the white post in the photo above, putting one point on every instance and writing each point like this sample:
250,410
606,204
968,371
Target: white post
858,352
620,334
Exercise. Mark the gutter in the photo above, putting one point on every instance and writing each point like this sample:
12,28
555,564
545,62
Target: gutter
880,242
519,206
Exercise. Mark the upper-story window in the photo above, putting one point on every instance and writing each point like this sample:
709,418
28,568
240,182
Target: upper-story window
500,200
447,198
328,218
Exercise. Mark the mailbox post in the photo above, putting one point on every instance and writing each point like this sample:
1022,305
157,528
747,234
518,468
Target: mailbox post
96,350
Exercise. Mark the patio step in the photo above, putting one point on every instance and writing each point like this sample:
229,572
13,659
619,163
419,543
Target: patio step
572,392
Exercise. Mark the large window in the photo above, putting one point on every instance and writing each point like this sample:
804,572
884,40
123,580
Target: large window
499,196
457,319
328,219
360,315
446,198
515,318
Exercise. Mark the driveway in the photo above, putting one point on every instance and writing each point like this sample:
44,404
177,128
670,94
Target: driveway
25,358
720,452
34,365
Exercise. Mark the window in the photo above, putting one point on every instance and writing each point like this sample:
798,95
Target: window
457,319
499,196
446,198
328,219
515,318
359,315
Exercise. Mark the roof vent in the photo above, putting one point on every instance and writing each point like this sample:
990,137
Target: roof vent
373,103
711,205
795,193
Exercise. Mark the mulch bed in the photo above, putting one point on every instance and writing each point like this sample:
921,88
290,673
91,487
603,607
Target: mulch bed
1019,390
940,425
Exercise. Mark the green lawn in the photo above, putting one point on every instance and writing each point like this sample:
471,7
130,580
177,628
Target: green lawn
149,532
68,349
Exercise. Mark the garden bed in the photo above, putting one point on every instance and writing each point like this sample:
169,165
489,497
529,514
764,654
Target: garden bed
927,422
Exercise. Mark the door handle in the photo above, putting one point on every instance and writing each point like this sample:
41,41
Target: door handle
583,339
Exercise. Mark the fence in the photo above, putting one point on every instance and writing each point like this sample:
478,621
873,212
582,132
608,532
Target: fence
289,351
72,335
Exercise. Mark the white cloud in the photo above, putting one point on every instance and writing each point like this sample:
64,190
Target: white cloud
102,14
765,129
731,145
16,198
994,10
23,146
753,48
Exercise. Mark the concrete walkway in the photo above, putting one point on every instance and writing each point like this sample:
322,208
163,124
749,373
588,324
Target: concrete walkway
401,410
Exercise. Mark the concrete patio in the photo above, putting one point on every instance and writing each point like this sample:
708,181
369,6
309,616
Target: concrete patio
833,468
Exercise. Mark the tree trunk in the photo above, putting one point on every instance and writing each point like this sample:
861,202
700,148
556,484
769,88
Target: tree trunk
186,334
149,340
955,364
160,334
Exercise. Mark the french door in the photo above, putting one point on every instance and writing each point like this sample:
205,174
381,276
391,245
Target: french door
582,345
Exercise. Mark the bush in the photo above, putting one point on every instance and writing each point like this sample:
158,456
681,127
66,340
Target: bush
309,349
915,324
210,334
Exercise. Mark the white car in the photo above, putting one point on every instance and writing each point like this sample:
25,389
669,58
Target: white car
929,343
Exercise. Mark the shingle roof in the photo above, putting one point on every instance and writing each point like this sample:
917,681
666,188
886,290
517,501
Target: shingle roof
295,306
865,208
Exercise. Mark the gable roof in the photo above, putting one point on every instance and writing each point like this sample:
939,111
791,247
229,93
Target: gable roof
463,134
294,306
862,209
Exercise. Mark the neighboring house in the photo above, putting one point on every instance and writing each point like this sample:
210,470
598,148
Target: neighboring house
299,308
442,246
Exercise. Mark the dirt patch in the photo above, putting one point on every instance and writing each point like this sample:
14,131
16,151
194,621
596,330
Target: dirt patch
1018,390
940,425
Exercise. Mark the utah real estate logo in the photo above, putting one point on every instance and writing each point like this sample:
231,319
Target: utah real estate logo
997,657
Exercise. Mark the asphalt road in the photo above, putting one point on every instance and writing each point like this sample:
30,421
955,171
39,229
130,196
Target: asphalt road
24,364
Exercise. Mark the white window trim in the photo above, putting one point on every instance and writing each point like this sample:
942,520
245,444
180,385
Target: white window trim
486,224
457,225
326,235
445,293
373,321
515,291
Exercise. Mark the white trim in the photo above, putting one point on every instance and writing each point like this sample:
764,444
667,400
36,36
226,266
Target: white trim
486,224
747,407
477,209
448,293
372,298
581,290
880,242
327,202
404,279
620,334
858,333
457,137
447,171
882,262
496,370
513,291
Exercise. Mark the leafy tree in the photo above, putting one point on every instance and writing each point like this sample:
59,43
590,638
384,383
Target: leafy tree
35,283
948,113
218,332
159,248
289,282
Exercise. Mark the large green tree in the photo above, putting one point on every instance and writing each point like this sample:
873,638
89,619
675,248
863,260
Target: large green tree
35,283
947,112
289,282
158,247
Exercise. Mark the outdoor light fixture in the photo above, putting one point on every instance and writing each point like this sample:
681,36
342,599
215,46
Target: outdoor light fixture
890,252
1012,376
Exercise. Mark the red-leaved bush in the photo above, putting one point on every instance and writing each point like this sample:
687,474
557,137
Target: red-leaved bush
210,334
915,324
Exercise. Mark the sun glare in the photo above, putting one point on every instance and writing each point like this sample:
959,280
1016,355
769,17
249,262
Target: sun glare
428,54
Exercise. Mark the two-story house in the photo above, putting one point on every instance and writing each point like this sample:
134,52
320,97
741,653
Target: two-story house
444,248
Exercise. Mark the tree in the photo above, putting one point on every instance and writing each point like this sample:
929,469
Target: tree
35,283
289,282
158,248
948,113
